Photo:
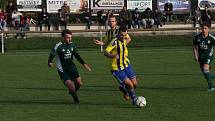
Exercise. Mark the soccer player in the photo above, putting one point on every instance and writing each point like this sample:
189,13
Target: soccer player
120,65
111,34
203,53
64,52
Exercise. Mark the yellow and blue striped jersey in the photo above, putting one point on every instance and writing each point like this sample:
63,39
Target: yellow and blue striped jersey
118,47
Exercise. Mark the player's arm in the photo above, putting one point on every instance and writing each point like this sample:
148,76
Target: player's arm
100,42
128,39
108,50
109,55
80,60
195,50
195,53
50,59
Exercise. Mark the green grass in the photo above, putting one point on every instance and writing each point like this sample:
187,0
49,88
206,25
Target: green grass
169,79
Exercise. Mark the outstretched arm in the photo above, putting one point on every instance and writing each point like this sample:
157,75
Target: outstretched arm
195,53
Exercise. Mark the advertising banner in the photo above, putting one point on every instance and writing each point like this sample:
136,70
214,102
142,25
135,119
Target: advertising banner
179,6
76,6
140,4
29,5
209,3
114,5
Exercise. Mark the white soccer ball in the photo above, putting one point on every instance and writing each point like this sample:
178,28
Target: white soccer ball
140,101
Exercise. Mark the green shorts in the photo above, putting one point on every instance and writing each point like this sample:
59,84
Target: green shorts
69,74
203,61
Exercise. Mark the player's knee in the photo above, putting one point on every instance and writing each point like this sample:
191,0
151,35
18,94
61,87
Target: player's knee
205,70
129,84
69,84
79,82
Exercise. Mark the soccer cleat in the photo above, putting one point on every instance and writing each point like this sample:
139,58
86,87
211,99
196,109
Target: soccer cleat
211,89
75,97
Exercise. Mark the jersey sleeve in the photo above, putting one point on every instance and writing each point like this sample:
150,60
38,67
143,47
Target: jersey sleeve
53,53
77,56
195,42
111,46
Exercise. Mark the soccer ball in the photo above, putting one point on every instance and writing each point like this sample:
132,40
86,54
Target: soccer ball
140,101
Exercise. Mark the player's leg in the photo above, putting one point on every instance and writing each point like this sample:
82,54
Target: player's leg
119,75
130,88
78,83
209,76
69,84
131,75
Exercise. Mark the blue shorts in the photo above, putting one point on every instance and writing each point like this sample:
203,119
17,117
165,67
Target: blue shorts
122,75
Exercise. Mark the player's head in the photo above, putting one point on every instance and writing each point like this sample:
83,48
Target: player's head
112,22
205,28
122,33
67,35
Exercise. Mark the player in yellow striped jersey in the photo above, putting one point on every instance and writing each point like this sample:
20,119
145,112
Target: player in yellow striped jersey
111,33
120,65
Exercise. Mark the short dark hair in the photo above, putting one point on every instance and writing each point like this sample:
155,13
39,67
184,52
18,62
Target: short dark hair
123,29
66,31
205,24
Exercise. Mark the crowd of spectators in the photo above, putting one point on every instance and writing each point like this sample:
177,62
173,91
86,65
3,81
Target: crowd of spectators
134,19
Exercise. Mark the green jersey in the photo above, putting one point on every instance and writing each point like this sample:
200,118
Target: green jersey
205,45
64,56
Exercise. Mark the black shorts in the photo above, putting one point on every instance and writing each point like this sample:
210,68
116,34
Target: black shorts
69,75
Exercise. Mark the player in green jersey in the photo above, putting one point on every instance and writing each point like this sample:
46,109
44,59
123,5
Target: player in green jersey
203,53
64,52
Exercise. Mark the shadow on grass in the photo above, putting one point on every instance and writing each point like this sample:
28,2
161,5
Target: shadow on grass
67,102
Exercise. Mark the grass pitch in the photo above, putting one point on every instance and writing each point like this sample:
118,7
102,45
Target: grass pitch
169,79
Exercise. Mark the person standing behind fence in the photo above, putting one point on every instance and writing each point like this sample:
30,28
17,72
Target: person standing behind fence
3,22
87,17
168,9
196,17
65,11
206,16
125,17
44,19
100,19
9,10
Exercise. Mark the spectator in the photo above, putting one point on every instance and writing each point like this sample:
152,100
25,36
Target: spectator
136,19
87,18
61,19
44,19
108,15
147,18
25,24
9,10
206,16
168,9
100,19
196,17
157,18
125,17
3,22
16,19
65,11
